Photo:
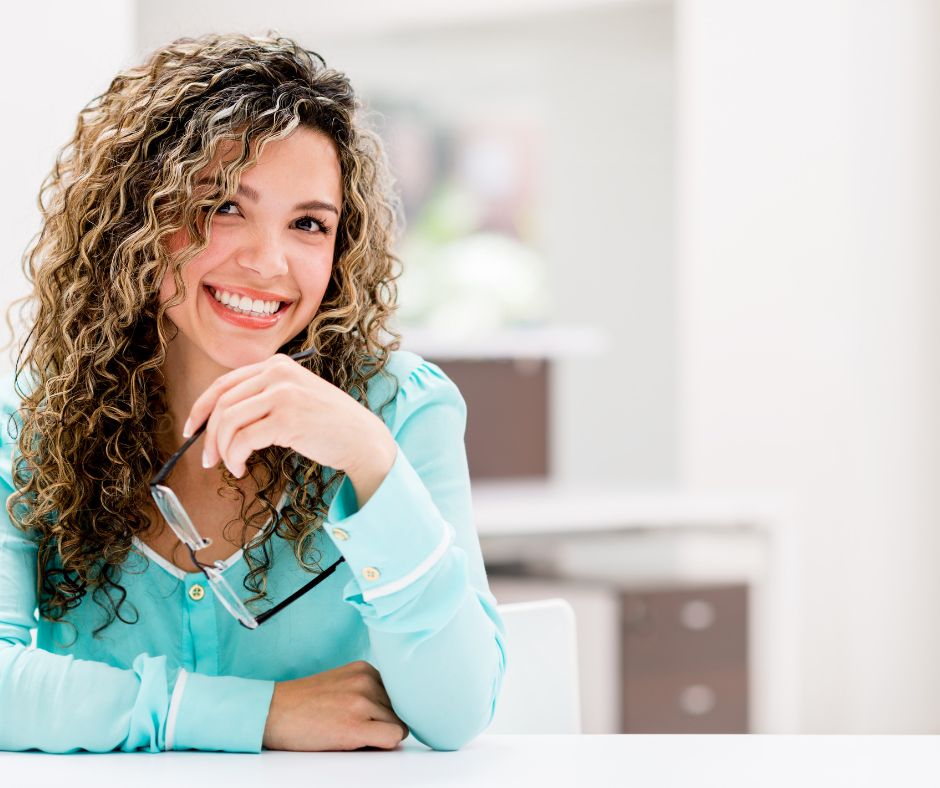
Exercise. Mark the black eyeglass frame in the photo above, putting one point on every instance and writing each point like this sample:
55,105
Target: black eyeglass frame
163,495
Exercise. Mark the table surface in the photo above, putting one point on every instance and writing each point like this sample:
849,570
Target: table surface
722,761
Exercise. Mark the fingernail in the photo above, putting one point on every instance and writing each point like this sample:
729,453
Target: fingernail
187,428
205,460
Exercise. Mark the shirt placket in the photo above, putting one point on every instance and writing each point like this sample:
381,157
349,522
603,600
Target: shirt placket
199,612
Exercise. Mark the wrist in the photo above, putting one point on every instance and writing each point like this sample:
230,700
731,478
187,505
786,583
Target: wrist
373,460
268,737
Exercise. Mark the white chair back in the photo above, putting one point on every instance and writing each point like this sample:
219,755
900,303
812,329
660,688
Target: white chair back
540,692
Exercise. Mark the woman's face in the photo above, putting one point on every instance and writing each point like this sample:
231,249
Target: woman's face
271,249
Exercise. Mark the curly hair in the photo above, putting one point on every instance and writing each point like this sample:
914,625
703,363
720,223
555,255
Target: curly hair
97,342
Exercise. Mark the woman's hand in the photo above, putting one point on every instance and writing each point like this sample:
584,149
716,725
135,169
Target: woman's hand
341,709
277,402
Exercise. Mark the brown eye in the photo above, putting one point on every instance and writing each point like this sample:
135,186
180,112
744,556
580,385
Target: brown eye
316,225
223,206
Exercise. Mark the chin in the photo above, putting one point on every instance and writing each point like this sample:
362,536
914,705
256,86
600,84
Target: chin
239,354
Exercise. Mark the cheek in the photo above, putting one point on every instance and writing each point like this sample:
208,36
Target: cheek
193,271
173,244
314,286
191,274
167,286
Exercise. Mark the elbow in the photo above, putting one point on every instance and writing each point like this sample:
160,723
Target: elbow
465,708
449,740
459,730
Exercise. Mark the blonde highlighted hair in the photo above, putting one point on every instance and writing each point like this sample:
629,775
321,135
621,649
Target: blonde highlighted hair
97,340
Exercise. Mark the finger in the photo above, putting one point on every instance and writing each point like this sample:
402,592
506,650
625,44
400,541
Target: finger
239,432
247,388
380,696
255,436
379,712
377,692
387,735
389,715
362,666
205,402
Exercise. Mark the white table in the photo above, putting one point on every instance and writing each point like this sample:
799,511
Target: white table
490,760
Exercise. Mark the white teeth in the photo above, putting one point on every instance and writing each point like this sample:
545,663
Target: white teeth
245,304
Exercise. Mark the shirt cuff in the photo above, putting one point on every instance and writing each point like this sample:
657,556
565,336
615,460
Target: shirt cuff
226,713
395,539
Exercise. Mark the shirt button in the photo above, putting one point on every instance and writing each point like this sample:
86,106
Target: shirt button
196,592
370,573
339,533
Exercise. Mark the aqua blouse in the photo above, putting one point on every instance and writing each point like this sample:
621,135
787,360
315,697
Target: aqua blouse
411,598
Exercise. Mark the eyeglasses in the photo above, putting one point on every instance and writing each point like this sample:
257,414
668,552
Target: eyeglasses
177,518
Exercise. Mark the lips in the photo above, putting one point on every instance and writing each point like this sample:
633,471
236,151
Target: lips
240,319
235,301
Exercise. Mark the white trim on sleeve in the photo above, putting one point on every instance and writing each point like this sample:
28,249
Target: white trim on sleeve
414,574
174,708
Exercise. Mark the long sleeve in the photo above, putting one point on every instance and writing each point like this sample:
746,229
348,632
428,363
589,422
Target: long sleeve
418,577
57,703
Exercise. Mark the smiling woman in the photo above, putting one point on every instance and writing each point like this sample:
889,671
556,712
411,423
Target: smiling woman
216,255
268,261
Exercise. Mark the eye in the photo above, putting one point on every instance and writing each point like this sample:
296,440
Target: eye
223,206
305,223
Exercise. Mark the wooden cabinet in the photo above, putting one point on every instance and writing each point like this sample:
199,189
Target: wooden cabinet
665,660
685,660
507,415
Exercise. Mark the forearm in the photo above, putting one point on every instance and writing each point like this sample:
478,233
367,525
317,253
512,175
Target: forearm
55,703
444,676
373,459
418,579
434,628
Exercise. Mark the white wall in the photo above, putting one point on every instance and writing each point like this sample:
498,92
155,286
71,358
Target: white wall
810,317
599,76
60,56
807,290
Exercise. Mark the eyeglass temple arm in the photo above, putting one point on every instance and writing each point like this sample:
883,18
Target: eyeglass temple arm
261,617
168,466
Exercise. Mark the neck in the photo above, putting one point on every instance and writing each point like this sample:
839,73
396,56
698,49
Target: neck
188,372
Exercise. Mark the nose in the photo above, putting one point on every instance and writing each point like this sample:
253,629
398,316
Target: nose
264,254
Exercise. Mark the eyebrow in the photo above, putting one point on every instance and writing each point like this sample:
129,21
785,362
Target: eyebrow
254,196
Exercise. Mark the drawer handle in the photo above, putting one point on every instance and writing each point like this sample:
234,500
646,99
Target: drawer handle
697,615
697,700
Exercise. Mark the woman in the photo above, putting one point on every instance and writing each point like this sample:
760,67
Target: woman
215,265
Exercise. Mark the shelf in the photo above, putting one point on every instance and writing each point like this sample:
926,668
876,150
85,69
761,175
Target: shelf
539,342
539,507
630,540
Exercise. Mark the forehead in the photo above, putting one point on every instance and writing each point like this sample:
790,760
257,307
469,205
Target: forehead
307,158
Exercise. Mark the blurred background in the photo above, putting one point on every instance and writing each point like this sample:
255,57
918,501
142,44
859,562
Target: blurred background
681,259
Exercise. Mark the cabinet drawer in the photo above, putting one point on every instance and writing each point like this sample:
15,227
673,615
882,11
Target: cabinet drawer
507,415
685,660
692,701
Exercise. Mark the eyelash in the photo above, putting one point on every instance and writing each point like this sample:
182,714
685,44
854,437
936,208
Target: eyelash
324,228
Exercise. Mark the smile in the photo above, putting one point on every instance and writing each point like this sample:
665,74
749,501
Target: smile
245,304
244,312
